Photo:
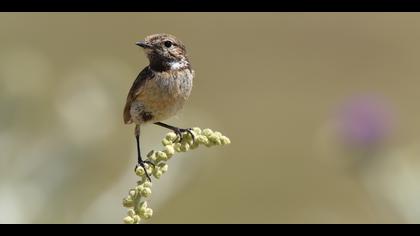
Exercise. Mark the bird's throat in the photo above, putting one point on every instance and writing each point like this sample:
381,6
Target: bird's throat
164,64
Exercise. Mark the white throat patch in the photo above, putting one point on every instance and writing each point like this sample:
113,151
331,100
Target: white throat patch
178,65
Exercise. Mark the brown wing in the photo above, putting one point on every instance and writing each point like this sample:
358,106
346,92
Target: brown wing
136,88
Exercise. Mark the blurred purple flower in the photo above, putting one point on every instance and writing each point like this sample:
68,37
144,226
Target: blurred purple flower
364,122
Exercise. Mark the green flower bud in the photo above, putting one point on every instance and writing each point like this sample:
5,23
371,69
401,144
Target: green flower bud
128,220
202,140
149,169
163,167
185,147
136,219
148,213
128,202
131,213
142,211
225,140
139,188
161,156
169,150
207,132
142,205
177,147
132,193
217,141
196,130
214,139
194,145
158,173
170,136
140,171
166,142
146,192
147,184
152,156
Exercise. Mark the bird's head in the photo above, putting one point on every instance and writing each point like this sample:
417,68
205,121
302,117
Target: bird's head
165,52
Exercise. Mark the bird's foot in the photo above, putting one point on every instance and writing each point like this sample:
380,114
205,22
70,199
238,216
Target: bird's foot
179,133
141,164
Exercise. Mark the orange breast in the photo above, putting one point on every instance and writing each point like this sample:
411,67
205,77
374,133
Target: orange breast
165,94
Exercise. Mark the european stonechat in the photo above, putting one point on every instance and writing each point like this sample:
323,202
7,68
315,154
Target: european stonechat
161,88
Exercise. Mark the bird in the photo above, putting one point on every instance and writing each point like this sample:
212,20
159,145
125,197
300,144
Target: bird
161,89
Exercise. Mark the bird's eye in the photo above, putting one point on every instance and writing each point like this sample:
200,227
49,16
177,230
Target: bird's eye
168,44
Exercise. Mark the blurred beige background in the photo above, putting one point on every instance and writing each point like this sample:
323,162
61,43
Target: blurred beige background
269,81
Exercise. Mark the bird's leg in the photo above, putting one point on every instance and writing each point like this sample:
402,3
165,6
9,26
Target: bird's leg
140,161
178,131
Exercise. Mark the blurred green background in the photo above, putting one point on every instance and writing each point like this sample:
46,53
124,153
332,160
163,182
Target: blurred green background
271,82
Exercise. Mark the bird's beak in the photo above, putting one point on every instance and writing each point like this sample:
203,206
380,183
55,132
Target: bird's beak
143,44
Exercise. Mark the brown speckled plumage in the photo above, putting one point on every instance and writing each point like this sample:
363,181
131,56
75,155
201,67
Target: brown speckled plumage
161,89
